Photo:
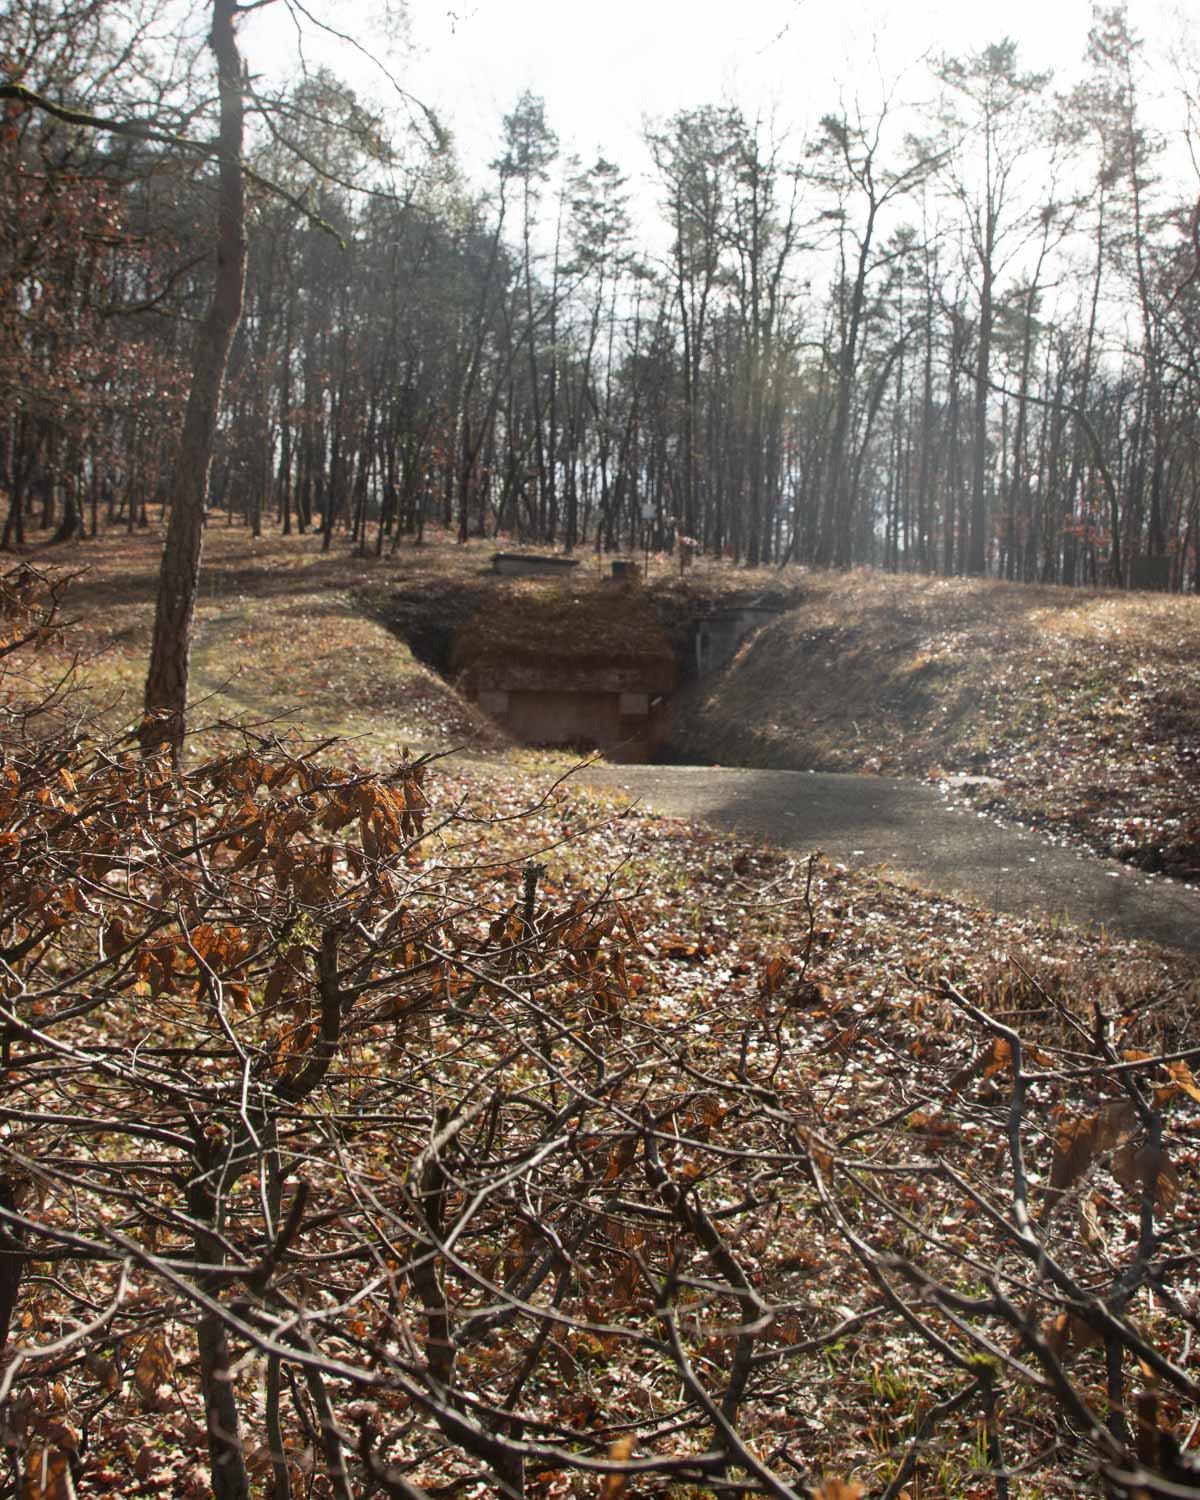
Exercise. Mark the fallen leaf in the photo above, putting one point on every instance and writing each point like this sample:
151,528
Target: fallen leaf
154,1369
614,1485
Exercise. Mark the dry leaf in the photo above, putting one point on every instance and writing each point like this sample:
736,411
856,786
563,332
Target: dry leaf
1000,1058
819,1152
47,1475
1074,1149
1091,1231
1080,1140
155,1367
1181,1077
773,974
1067,1335
613,1485
621,1158
1116,1124
104,1371
839,1489
1139,1167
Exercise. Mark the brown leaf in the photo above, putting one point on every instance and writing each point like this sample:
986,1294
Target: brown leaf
1000,1060
415,803
1117,1121
621,1158
613,1485
1138,1168
1181,1077
819,1152
671,945
773,974
337,814
104,1371
1081,1139
155,1367
1067,1335
709,1110
1091,1231
47,1475
839,1489
115,937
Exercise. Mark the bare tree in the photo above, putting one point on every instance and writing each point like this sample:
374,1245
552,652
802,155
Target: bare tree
179,578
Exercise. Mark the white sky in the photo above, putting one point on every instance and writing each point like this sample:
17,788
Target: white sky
602,65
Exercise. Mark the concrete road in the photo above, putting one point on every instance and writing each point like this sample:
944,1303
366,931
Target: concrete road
911,829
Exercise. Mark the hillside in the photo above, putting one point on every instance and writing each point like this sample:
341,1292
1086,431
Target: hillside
1077,712
281,636
1073,711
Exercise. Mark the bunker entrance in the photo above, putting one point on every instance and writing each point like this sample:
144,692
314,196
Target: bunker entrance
588,668
576,663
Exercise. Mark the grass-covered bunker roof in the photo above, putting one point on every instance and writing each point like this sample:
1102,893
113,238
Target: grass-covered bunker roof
574,635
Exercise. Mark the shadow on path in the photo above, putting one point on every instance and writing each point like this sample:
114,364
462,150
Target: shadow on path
911,829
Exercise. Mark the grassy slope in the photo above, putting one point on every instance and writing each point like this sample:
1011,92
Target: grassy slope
280,636
1084,706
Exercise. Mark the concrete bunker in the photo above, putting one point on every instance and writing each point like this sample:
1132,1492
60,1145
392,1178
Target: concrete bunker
718,636
589,668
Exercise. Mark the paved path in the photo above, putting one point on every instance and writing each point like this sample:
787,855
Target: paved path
911,829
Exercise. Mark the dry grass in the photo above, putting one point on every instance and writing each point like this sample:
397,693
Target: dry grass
280,635
1084,706
585,623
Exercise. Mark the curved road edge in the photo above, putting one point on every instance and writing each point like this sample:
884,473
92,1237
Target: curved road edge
910,829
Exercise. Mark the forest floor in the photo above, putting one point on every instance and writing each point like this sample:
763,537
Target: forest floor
283,640
280,637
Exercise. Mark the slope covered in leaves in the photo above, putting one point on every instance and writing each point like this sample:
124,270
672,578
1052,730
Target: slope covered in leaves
502,1140
1080,708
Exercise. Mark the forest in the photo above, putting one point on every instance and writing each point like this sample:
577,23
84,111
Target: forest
964,344
385,1111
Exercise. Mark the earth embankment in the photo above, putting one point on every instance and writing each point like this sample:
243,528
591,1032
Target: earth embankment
1076,711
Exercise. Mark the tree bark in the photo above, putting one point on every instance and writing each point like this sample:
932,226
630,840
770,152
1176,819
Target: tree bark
13,1260
179,576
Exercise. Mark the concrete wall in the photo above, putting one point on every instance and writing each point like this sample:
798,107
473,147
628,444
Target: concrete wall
520,565
718,638
627,726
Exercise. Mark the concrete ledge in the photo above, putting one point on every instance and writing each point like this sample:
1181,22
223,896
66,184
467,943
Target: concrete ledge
526,565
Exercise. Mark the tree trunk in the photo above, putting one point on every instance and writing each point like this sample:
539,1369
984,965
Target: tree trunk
227,1462
179,577
13,1260
977,529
